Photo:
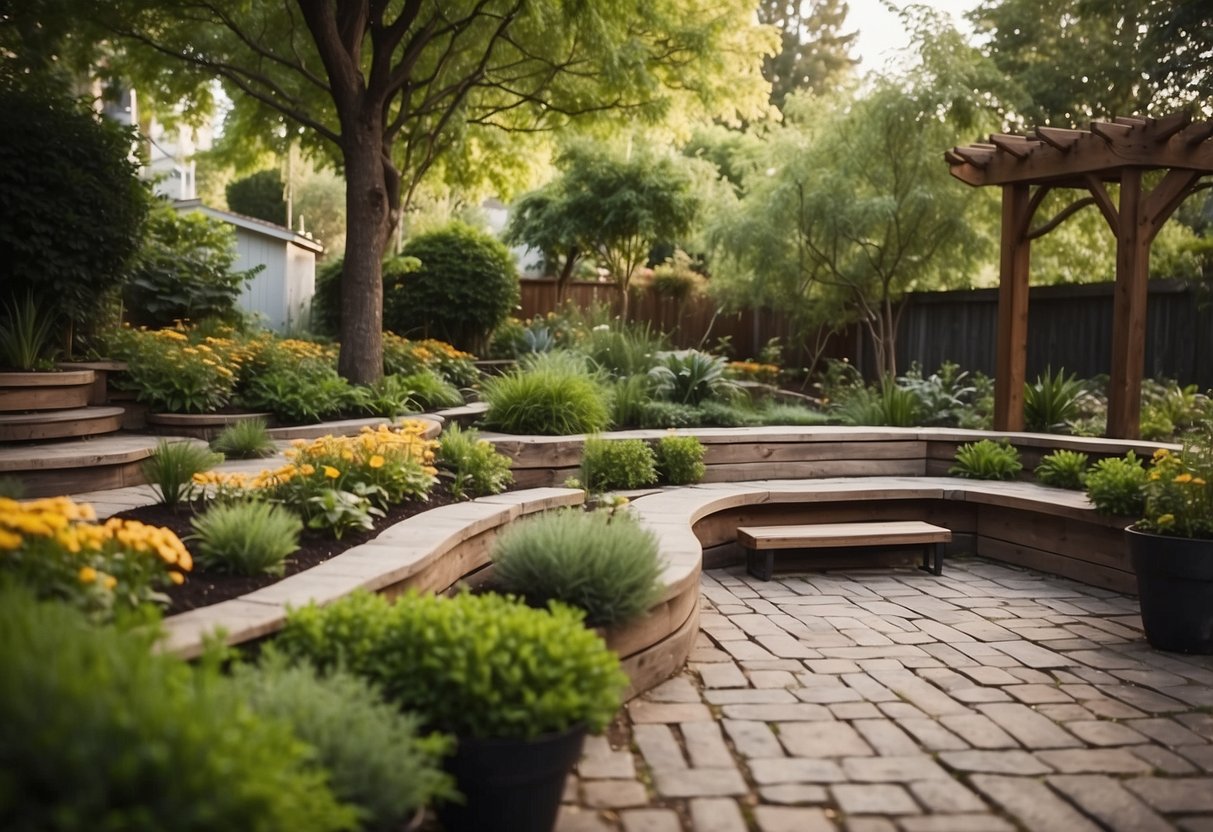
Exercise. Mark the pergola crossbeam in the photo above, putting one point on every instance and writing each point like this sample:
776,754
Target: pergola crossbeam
1121,150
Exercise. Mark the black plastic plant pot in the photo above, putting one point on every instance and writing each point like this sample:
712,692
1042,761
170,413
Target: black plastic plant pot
1175,585
513,785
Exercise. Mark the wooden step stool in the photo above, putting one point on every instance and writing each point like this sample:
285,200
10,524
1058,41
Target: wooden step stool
761,542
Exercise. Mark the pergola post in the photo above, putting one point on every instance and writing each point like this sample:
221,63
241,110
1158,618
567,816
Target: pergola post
1012,355
1129,309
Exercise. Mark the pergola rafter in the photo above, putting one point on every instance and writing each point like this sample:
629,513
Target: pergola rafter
1030,167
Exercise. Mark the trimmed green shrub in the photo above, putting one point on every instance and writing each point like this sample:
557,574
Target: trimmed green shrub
1114,486
473,464
608,464
245,439
183,270
602,562
100,732
326,302
466,285
171,468
258,195
668,415
472,665
551,396
1052,401
987,460
71,203
376,756
246,538
680,460
1063,469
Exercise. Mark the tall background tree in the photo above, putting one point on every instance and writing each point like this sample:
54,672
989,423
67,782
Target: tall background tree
391,92
814,48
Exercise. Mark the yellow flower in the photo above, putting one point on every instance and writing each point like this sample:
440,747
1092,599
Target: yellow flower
331,472
110,582
176,577
87,574
1166,519
1182,478
1161,452
307,469
1198,481
9,540
376,461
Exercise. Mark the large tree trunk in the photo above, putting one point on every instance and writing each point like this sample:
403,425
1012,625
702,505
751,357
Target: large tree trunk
369,222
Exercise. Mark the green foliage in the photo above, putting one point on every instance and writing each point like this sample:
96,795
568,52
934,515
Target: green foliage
245,538
602,562
299,398
326,302
945,397
719,414
987,460
404,357
1178,497
473,464
71,204
680,460
101,732
677,279
814,54
553,396
889,404
466,285
1052,401
258,195
245,439
777,413
26,334
629,398
172,466
623,351
1114,485
472,665
692,377
668,415
1166,404
608,464
1063,469
183,270
429,390
376,757
170,373
340,511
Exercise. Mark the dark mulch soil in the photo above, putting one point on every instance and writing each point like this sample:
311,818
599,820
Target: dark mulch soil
315,546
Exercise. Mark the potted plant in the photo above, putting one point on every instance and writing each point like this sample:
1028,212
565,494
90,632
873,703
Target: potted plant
28,377
1172,548
518,687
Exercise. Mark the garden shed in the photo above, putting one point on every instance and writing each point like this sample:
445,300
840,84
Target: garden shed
281,293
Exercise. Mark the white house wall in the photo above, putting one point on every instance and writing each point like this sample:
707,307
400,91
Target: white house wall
265,296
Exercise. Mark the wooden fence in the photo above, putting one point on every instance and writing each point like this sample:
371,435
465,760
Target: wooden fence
1069,327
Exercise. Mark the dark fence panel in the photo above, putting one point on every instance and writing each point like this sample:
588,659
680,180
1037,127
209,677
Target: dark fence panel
1069,327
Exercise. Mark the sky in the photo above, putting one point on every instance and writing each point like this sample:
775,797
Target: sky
881,33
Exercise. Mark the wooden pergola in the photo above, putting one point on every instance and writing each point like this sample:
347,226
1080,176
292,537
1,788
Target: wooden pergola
1028,168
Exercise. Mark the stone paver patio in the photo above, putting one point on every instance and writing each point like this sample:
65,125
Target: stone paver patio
991,698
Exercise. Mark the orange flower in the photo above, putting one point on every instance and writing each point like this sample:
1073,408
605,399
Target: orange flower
331,472
376,461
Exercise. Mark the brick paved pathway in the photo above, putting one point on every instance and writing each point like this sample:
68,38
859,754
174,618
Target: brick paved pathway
992,698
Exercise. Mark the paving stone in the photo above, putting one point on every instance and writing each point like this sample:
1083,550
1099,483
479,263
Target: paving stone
1031,802
745,650
854,710
950,656
577,819
1201,755
978,731
795,794
973,696
828,694
931,735
600,761
922,694
831,666
1031,677
906,769
1103,733
1031,654
868,688
874,799
795,770
1037,694
763,665
1030,728
788,819
956,823
822,739
1104,659
716,814
778,713
753,739
946,796
1143,699
1105,800
572,789
1201,823
677,689
1200,723
651,820
700,782
994,762
786,647
705,745
870,823
643,712
1162,760
772,679
1112,709
748,696
721,675
658,747
886,737
1166,732
1175,794
613,794
1064,713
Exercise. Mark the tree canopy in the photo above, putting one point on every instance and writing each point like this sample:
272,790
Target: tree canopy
814,50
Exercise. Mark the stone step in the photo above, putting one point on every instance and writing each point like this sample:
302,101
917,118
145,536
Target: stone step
59,424
73,466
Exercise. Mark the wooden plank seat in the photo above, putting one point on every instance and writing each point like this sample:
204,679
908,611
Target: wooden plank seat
761,542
